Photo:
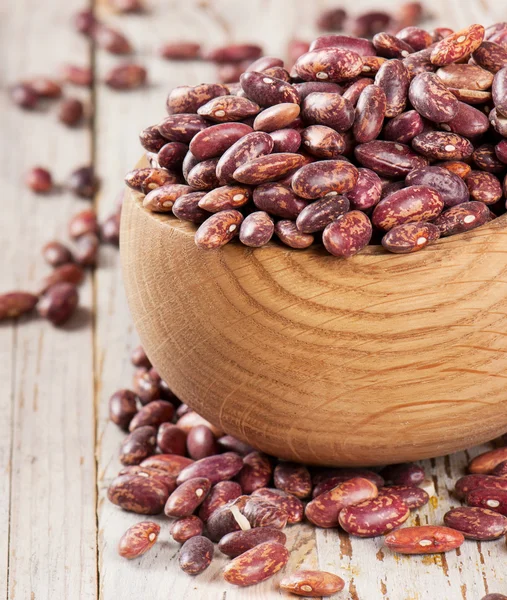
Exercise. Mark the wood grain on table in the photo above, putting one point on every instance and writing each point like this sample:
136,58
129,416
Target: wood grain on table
58,532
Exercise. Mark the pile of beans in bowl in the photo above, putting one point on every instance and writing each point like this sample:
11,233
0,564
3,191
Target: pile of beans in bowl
398,140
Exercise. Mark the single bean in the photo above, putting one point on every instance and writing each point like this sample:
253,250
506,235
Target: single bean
15,304
463,217
452,189
257,564
374,517
187,497
171,464
426,539
171,439
476,523
409,205
185,528
313,584
138,539
348,235
228,108
196,555
238,542
138,494
267,168
188,99
329,64
457,46
432,99
288,503
326,108
225,198
317,215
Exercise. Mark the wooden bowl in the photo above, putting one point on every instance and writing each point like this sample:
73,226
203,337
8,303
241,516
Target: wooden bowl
377,359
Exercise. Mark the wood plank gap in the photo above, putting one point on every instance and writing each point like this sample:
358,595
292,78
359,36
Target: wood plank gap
11,450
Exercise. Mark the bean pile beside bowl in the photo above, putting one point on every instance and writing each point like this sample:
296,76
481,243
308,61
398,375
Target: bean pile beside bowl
398,140
216,489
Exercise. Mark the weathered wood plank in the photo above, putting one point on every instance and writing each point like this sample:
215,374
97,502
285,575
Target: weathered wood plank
371,574
47,395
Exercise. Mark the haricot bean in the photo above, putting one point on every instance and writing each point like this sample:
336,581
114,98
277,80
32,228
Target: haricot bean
312,584
374,517
372,122
138,539
476,523
257,564
426,539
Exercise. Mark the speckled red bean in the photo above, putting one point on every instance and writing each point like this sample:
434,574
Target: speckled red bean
196,555
122,408
452,189
288,503
138,494
15,304
463,217
326,108
201,442
367,191
457,46
404,127
215,468
171,439
317,215
188,99
187,497
306,88
485,158
374,517
360,46
418,62
409,205
57,304
368,23
348,235
465,76
388,159
484,187
262,513
370,110
290,235
459,168
313,584
322,141
162,199
323,510
278,200
393,79
410,237
417,38
172,464
493,499
267,168
151,139
315,180
185,528
187,208
432,99
490,56
413,497
355,89
225,198
215,140
237,542
182,127
203,175
276,117
427,539
329,64
138,445
251,146
221,494
155,413
476,523
218,230
487,461
266,90
228,108
256,472
257,564
138,539
286,140
257,229
390,46
441,145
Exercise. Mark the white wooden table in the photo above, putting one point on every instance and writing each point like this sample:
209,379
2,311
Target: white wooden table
58,532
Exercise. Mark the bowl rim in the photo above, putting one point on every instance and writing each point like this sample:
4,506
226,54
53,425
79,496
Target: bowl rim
188,229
